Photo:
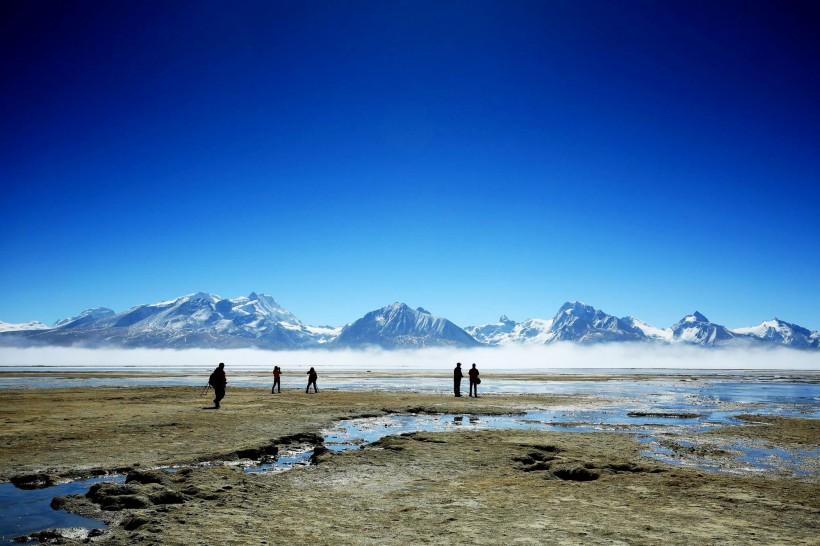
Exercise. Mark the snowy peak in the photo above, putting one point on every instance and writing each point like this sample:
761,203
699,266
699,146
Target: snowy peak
508,332
698,330
780,332
651,332
87,318
194,320
697,316
576,321
22,326
399,326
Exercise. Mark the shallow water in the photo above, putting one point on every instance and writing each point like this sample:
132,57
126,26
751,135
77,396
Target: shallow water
26,511
649,430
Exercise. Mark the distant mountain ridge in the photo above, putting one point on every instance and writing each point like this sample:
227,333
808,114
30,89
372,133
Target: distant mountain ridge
257,320
581,323
399,326
194,320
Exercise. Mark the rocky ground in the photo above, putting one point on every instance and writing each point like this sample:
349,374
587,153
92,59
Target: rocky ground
486,487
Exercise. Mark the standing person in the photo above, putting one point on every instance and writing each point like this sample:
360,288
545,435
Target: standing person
474,380
457,375
218,382
312,375
276,374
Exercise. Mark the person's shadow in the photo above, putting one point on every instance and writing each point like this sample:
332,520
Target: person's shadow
210,407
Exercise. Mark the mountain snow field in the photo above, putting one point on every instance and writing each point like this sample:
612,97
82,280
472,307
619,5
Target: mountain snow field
203,320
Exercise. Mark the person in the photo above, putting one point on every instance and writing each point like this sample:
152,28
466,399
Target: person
312,380
276,373
474,381
218,382
457,375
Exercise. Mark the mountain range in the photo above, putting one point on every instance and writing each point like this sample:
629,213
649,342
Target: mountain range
257,320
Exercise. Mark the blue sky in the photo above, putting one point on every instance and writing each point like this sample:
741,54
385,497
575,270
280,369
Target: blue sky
474,158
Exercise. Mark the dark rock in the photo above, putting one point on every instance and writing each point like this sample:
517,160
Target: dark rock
540,465
57,503
133,522
538,456
576,474
147,476
124,501
545,448
250,453
526,459
36,480
113,496
318,451
626,467
301,438
673,415
46,535
421,438
168,496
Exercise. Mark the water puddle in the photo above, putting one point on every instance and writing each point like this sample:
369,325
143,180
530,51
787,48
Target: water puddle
26,511
665,435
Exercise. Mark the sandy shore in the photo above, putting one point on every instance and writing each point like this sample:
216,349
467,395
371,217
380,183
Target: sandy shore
485,487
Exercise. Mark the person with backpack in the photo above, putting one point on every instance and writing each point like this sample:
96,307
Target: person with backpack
218,380
312,375
474,380
276,374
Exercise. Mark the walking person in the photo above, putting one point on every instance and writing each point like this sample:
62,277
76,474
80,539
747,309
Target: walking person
312,375
457,375
474,380
276,384
217,380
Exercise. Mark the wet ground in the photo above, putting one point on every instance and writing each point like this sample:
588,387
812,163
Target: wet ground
670,417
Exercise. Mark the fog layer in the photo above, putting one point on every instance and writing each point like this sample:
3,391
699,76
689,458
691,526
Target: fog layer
562,356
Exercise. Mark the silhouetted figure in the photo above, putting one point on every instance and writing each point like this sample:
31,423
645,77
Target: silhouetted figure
218,382
474,381
457,375
276,384
312,380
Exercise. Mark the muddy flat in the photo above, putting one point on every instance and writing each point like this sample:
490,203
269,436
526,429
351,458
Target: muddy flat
66,430
481,487
448,487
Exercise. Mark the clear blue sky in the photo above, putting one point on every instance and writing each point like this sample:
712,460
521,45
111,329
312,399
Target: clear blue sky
475,158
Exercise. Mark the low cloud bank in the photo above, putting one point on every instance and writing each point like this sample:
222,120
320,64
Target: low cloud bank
557,356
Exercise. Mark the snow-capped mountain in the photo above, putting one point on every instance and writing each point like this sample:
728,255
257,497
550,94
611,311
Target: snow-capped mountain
400,326
256,320
583,323
574,321
697,329
781,332
86,319
506,332
652,332
195,320
22,326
